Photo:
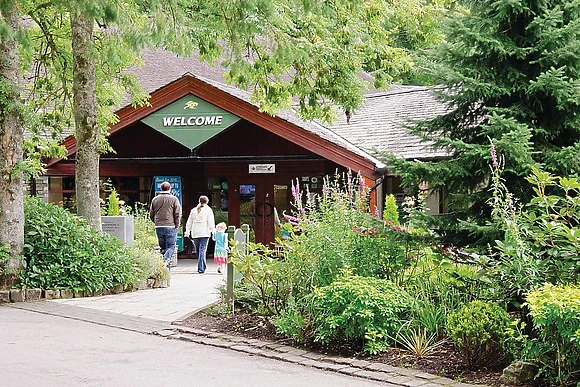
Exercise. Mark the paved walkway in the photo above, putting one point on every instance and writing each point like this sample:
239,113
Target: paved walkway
153,311
189,292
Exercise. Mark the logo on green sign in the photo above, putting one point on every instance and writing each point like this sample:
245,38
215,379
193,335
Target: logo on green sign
190,121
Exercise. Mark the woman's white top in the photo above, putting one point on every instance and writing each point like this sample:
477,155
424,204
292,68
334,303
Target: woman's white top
200,224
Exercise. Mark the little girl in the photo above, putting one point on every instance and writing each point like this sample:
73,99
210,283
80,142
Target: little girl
220,255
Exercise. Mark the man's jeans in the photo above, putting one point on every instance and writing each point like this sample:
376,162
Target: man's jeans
167,237
201,248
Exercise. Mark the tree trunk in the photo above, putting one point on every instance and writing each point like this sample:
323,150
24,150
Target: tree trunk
85,112
11,139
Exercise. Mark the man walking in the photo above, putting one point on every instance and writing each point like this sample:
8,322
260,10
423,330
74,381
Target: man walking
165,212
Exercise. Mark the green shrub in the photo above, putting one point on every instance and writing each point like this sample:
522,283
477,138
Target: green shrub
555,314
246,297
380,250
265,273
144,228
149,263
62,250
114,206
360,309
391,211
540,243
337,231
148,260
479,329
440,288
291,322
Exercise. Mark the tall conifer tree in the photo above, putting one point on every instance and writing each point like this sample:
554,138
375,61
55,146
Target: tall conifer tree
510,72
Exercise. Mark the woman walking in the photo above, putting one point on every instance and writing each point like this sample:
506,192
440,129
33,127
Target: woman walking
199,227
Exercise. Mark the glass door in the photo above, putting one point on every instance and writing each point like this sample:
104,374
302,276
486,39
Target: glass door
262,205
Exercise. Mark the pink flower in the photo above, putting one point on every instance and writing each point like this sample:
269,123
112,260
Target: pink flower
493,155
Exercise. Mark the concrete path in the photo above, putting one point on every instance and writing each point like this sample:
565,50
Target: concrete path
189,292
41,350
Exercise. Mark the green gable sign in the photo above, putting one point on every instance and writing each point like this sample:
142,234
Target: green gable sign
191,121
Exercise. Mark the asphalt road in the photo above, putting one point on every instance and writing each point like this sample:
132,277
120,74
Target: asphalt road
39,350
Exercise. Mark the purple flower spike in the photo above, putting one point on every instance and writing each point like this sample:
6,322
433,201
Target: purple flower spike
493,156
296,192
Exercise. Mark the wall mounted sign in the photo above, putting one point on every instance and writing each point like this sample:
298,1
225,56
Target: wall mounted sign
175,182
190,120
262,168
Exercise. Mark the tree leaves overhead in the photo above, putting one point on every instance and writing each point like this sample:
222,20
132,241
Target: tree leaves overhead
312,50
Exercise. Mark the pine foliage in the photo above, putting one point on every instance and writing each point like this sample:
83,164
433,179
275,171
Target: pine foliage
509,71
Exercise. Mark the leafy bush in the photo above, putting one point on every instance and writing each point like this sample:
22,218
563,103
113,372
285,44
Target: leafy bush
144,230
148,260
555,314
337,231
359,309
266,274
381,250
291,322
245,298
541,241
440,288
149,263
62,250
323,244
479,329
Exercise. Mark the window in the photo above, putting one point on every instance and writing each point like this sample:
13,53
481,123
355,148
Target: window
61,191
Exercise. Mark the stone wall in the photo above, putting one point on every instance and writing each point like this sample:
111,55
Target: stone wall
37,187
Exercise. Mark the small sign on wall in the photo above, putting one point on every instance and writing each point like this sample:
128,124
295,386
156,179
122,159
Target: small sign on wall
262,168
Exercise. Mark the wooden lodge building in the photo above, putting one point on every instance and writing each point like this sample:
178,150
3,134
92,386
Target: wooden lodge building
206,137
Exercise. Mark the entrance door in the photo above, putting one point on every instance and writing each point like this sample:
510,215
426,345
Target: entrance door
262,204
257,209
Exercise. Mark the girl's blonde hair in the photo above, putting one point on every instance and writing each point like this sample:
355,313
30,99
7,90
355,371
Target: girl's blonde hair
221,226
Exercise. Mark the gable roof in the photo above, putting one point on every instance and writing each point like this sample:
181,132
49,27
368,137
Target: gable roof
162,67
378,125
310,136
